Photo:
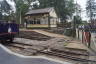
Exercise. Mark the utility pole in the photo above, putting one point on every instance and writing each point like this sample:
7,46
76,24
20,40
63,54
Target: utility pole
20,17
74,21
91,11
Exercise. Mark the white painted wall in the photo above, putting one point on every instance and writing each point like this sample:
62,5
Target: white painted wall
53,13
44,21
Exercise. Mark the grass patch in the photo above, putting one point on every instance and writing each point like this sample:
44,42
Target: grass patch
65,44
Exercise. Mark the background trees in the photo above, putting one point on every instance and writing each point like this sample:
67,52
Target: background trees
64,8
91,9
4,9
22,6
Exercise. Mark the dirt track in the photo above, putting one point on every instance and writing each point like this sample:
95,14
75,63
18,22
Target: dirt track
33,35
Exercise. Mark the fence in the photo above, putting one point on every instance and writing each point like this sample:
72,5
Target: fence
88,37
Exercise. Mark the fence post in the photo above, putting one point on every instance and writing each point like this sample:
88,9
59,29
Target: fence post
82,35
78,33
89,40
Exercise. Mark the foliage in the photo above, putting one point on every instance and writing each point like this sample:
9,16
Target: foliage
22,6
4,8
21,9
77,20
64,8
91,8
0,16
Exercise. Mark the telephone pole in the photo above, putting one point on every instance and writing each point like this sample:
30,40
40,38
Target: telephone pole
91,11
90,7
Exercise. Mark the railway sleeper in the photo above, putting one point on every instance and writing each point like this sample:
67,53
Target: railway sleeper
69,52
34,52
67,56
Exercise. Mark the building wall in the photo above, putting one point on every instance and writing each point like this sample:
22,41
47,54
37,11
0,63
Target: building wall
37,26
44,19
53,20
53,14
43,23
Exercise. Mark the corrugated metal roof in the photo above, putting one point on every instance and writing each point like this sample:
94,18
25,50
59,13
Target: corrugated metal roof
37,11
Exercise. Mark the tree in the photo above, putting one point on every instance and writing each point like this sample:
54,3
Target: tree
64,8
77,21
35,6
4,8
21,9
91,9
22,6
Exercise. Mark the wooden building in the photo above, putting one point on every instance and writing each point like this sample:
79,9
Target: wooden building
41,18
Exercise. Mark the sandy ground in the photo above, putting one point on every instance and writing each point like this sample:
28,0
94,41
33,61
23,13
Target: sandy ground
60,40
57,42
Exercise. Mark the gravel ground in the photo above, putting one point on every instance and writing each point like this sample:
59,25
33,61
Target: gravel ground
52,43
33,36
25,53
37,39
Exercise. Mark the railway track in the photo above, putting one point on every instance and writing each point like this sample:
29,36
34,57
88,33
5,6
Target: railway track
24,45
52,52
33,35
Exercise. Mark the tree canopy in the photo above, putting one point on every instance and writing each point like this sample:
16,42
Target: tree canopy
22,6
4,8
91,8
64,8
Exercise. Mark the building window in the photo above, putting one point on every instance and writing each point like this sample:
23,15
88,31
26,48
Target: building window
35,22
38,21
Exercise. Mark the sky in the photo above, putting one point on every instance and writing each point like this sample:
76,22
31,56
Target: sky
12,4
81,2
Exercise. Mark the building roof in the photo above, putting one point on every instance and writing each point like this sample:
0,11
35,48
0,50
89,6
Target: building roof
38,11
